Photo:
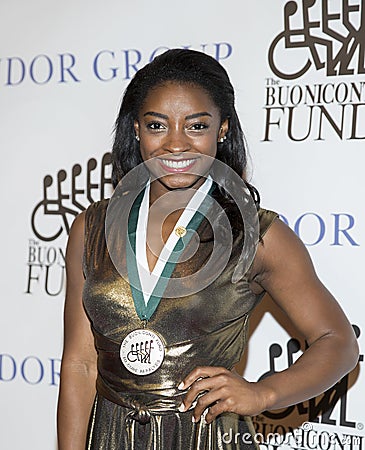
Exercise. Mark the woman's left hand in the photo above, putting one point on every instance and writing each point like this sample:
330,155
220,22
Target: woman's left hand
285,271
221,391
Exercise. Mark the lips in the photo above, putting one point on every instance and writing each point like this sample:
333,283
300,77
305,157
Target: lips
177,165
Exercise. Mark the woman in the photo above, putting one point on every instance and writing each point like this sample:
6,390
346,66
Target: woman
156,367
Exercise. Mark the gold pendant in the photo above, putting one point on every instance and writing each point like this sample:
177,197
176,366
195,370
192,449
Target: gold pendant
180,231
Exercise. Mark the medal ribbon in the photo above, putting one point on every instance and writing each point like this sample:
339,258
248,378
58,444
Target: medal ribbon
146,311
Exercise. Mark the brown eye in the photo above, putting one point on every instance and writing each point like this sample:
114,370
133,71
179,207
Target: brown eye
198,126
155,126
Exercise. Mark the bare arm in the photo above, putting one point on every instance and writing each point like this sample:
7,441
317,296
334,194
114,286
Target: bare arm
288,276
284,269
78,369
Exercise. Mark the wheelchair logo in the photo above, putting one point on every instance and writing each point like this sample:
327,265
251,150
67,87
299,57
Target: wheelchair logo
335,42
69,201
320,409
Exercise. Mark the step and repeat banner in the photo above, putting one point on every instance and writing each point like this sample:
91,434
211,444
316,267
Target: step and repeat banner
298,68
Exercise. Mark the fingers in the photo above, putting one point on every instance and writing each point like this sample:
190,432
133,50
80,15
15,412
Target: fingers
205,388
215,410
199,388
214,390
208,400
200,372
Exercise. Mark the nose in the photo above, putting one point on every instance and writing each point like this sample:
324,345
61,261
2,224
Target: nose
177,141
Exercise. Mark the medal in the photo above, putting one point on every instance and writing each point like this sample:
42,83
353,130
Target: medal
142,351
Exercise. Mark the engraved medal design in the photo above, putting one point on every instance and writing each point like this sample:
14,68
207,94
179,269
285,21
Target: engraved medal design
142,352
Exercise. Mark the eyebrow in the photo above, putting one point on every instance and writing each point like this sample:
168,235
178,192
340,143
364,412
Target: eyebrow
190,116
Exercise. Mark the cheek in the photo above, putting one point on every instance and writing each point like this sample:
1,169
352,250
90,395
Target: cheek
148,148
207,145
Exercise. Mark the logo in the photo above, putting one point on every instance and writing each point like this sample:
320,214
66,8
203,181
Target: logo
321,409
106,65
30,369
142,352
313,229
64,197
327,35
70,200
330,39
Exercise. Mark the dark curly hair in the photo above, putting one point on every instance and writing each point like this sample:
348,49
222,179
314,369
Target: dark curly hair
183,66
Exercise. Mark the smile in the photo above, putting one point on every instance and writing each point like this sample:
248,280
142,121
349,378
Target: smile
177,164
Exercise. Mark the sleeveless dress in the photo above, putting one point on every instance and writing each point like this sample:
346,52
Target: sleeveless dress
133,412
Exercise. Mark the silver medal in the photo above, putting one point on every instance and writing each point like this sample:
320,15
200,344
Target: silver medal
142,352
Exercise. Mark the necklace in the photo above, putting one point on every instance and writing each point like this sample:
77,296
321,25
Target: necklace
142,351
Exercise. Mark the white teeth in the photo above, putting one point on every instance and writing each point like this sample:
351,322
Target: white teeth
177,164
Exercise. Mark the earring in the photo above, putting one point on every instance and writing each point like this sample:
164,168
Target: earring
137,138
222,139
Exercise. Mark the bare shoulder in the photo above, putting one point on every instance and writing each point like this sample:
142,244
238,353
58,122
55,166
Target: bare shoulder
286,272
281,246
281,253
75,243
81,222
78,225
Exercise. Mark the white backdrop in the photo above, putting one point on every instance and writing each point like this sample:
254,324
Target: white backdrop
63,68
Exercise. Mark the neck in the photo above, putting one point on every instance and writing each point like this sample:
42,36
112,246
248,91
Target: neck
173,197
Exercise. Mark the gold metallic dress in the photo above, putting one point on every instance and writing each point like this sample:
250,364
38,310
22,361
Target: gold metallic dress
209,327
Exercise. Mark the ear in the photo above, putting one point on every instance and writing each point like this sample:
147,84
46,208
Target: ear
223,129
136,128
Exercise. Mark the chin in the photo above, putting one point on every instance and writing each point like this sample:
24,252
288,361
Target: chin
181,181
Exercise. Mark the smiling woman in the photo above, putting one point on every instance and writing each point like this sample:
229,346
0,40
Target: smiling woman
178,124
168,317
